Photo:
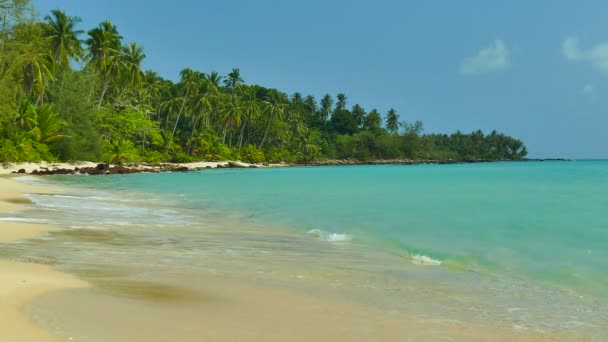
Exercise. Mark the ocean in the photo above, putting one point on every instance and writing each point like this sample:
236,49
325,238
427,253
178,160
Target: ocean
520,244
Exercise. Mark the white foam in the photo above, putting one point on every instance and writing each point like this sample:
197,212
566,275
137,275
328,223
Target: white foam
419,259
20,219
329,237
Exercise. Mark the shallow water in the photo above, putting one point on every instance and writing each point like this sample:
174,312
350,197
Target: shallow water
521,245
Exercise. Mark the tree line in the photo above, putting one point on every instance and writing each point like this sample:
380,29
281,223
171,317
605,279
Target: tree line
71,94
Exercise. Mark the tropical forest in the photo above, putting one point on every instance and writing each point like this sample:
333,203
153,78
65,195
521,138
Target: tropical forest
69,93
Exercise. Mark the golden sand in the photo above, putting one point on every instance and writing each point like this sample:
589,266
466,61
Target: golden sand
21,282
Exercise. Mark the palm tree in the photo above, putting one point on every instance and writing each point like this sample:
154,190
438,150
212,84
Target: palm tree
47,124
35,69
296,98
326,106
373,120
392,121
341,104
275,108
120,151
63,38
132,56
250,113
104,48
233,80
231,116
214,79
359,114
189,82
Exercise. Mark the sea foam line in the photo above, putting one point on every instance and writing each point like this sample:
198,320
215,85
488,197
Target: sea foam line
329,237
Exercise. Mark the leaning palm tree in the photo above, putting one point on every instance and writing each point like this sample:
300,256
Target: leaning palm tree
250,113
231,116
62,36
274,108
392,121
189,82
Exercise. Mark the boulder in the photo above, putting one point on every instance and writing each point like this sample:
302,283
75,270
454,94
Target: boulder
235,165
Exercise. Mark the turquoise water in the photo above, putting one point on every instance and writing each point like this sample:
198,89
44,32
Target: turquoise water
546,220
528,239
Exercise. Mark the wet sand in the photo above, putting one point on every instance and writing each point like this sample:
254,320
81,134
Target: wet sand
38,303
22,282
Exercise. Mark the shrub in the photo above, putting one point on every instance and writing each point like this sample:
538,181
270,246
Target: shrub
252,154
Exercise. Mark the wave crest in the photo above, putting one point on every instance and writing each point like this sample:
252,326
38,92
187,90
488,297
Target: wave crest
329,237
420,259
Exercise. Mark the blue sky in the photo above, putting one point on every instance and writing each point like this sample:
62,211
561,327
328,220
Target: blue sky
537,70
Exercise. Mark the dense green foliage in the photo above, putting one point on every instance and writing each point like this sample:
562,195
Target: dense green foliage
108,108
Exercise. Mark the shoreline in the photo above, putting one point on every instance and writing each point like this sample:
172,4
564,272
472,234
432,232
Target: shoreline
92,168
233,309
22,282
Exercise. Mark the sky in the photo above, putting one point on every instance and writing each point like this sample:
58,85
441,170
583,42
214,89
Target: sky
537,70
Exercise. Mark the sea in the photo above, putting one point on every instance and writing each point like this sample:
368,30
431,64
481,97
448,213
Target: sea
520,244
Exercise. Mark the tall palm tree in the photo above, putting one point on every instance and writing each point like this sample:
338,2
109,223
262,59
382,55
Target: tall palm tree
63,38
358,113
132,56
326,106
34,69
341,103
233,80
392,121
275,108
214,79
296,98
251,111
373,120
189,82
231,116
104,48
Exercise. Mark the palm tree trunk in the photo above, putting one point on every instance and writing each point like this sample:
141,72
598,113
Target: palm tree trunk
265,133
224,138
192,135
106,84
242,134
10,132
143,143
177,120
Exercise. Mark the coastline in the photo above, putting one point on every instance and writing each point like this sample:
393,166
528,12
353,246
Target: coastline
50,168
22,282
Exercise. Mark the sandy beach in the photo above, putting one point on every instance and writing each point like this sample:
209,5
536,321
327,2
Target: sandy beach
27,168
21,282
201,306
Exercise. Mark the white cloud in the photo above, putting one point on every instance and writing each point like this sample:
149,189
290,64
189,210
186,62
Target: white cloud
597,56
588,88
489,59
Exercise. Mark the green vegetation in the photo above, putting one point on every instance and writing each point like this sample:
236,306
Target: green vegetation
67,94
